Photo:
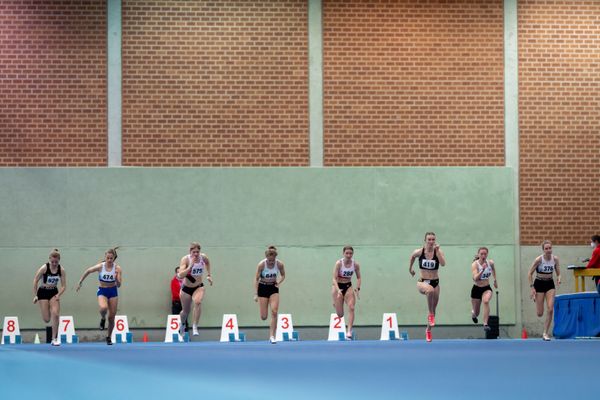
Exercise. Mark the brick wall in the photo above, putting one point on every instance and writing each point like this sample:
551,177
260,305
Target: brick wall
413,83
559,107
215,83
52,83
407,83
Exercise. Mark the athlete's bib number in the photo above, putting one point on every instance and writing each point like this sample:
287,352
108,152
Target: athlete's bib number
197,271
52,280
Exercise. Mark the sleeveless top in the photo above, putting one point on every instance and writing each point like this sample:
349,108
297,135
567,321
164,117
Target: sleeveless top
269,275
49,279
430,265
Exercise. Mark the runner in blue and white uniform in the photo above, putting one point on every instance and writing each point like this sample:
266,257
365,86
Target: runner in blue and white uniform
109,279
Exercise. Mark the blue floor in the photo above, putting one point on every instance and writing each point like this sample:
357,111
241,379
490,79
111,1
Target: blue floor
413,369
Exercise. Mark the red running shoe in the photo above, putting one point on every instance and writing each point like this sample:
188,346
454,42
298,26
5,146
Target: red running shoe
428,336
431,320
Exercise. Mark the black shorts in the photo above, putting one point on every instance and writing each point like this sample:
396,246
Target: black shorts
190,290
477,292
431,282
344,287
543,285
46,294
265,290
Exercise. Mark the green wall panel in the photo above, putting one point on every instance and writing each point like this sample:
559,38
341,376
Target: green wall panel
309,213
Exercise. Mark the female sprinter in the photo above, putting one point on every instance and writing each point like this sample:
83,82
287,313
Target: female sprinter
191,270
47,294
543,288
266,287
110,277
342,284
430,258
482,269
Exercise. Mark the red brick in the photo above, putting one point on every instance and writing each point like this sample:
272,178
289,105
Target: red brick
52,97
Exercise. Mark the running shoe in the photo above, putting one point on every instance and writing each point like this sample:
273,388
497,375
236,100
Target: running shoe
55,342
108,341
428,336
474,317
545,337
272,340
349,335
195,330
102,323
431,320
486,328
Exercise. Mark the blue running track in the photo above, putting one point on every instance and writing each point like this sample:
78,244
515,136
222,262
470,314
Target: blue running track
414,369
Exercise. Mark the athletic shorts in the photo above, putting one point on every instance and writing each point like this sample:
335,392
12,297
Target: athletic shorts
431,282
344,287
46,294
108,292
190,290
477,291
265,290
543,285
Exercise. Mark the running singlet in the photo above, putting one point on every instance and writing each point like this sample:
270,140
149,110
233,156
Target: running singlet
49,279
546,267
269,275
346,272
432,264
108,276
197,268
487,271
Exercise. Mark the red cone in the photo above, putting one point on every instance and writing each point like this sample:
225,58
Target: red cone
145,337
524,334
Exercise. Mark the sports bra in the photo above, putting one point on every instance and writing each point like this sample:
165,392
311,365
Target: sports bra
430,265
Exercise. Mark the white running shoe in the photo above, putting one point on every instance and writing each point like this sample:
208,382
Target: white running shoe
195,330
272,340
545,337
55,342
